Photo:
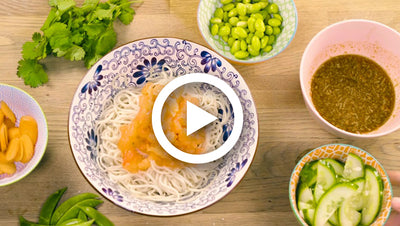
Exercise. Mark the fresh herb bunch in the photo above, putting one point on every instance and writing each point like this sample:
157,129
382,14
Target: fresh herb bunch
77,210
75,33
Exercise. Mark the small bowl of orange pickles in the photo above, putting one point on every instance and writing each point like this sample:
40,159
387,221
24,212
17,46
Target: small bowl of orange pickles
23,134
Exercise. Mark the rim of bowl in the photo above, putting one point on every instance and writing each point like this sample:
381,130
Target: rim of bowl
309,100
28,171
97,189
294,202
246,62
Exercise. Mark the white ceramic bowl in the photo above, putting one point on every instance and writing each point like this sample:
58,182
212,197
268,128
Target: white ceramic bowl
21,103
114,72
287,11
363,37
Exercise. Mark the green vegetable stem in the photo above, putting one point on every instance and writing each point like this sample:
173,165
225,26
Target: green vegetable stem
75,33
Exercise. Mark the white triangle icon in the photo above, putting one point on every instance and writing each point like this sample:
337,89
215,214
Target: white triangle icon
196,118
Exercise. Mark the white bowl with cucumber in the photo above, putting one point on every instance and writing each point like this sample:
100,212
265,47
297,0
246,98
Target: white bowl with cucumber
340,184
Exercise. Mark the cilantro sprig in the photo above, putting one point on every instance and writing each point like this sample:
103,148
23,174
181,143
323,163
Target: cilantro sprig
75,33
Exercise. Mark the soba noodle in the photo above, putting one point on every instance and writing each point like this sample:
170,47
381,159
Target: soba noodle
157,183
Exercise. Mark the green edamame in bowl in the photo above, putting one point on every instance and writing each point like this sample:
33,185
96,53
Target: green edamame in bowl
247,31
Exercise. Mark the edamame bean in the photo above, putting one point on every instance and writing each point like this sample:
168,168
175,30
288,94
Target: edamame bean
271,40
253,8
259,34
224,31
241,54
241,32
224,2
225,38
242,24
241,9
277,30
233,12
235,47
264,42
277,16
233,21
250,24
259,25
243,18
252,51
216,20
255,43
274,22
214,29
243,45
269,30
228,7
249,37
273,8
267,49
230,41
219,13
257,16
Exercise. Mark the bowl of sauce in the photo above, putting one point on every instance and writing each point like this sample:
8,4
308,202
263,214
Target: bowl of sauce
349,76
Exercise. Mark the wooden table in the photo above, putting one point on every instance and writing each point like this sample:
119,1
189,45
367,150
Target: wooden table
286,128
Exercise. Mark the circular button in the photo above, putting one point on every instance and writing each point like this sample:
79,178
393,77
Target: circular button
197,158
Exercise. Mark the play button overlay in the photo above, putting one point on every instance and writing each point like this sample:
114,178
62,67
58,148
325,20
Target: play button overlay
197,118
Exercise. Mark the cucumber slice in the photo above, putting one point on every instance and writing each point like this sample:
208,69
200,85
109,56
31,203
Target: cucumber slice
309,215
308,174
354,167
347,215
305,198
372,195
331,200
326,178
337,166
358,200
333,220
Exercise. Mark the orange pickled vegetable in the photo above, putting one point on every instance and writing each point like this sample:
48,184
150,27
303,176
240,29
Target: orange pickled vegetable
7,112
28,126
138,143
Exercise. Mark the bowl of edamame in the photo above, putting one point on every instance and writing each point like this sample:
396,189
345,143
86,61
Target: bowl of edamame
247,31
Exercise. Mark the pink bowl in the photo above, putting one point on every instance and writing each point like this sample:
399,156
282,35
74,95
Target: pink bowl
363,37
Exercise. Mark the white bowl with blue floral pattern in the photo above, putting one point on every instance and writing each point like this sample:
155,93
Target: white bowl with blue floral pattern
134,60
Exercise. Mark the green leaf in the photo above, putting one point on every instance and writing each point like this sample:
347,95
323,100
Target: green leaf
106,42
50,19
30,50
62,5
32,72
126,16
75,53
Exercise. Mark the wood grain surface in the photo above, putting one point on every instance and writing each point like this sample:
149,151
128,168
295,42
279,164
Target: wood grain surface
286,128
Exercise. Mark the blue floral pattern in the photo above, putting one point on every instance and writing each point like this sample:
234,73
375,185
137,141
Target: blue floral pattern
149,66
113,194
232,174
95,83
91,141
128,67
210,62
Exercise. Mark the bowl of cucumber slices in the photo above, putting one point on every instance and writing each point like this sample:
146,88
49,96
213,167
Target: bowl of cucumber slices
340,184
